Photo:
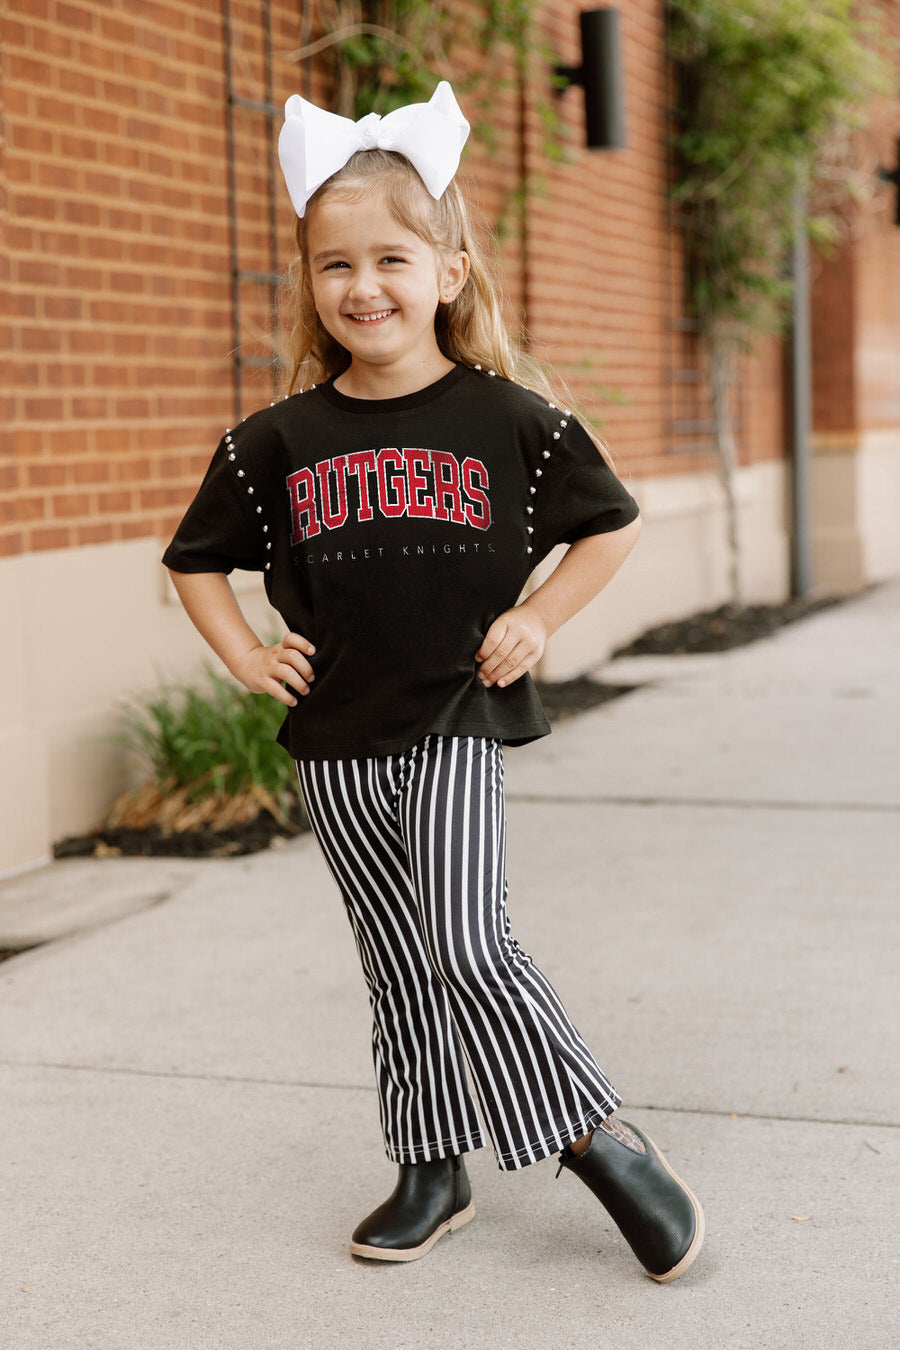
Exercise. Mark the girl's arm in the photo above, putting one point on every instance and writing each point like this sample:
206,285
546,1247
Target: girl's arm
516,638
212,608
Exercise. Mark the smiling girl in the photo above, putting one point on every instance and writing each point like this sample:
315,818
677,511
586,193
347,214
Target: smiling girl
397,508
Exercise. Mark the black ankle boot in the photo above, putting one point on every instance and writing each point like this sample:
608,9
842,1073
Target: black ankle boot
431,1198
659,1218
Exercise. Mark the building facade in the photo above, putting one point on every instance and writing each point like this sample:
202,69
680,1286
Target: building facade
142,231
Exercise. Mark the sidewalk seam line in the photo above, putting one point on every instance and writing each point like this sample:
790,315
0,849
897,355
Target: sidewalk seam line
359,1087
727,803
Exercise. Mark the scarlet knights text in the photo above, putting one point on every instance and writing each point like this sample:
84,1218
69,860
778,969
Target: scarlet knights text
424,484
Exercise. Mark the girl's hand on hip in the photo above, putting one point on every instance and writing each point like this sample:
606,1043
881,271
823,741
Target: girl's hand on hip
263,669
512,645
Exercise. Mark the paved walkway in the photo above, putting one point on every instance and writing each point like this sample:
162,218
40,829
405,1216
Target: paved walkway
707,869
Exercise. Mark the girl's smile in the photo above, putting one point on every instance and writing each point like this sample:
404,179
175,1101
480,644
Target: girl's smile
376,287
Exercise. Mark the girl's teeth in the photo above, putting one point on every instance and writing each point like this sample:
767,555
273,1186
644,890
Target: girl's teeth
370,318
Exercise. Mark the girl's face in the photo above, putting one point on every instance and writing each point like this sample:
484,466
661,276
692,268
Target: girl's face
376,288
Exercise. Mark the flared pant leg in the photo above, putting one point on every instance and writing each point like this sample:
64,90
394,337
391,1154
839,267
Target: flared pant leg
444,971
425,1105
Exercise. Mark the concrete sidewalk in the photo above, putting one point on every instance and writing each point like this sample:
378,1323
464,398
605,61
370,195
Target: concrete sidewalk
708,871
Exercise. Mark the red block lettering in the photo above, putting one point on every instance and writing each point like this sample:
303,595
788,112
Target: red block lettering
417,483
446,487
302,492
334,519
473,473
396,505
362,464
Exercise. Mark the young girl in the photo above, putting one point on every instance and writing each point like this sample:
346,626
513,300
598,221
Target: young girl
396,509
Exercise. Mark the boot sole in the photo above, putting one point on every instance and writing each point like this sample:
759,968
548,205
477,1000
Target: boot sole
413,1253
699,1224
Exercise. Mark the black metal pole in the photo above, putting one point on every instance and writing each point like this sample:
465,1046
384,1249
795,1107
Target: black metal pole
801,404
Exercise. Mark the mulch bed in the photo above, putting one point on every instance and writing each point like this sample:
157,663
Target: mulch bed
568,697
715,630
719,630
264,831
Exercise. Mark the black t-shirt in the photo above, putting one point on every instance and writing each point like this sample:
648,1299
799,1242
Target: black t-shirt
391,534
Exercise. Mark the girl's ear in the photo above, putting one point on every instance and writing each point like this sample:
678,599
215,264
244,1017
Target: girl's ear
454,276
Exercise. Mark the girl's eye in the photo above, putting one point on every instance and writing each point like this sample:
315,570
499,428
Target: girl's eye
391,259
334,265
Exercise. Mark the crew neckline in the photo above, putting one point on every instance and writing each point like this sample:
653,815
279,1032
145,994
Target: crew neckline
374,406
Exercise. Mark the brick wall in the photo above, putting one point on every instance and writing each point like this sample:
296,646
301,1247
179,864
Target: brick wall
834,338
605,292
118,288
118,284
117,245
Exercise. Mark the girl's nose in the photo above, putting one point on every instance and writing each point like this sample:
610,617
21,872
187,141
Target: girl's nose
364,284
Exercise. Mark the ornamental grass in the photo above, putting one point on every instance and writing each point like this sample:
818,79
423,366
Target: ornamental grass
212,756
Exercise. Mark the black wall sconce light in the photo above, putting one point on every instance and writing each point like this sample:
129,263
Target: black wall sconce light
600,73
893,176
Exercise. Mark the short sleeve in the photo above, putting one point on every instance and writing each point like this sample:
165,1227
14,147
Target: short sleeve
219,531
577,493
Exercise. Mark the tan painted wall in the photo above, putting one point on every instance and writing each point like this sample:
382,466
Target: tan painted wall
680,563
91,626
86,627
855,505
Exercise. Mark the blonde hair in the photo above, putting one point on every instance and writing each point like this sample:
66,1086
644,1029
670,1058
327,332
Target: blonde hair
470,329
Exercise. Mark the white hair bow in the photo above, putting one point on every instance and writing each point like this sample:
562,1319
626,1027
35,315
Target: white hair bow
315,144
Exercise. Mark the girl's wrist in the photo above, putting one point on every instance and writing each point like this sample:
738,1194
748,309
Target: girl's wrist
536,610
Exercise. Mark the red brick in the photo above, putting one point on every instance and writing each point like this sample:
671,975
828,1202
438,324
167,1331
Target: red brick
12,543
48,537
68,504
81,212
118,30
124,154
121,219
26,442
37,272
37,140
103,119
87,340
152,499
20,305
106,246
75,83
31,71
90,408
140,529
129,409
38,208
23,373
39,339
100,533
24,508
48,408
13,34
46,475
75,16
133,470
128,282
115,501
92,471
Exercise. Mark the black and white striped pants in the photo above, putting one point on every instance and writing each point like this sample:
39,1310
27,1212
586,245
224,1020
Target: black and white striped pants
416,843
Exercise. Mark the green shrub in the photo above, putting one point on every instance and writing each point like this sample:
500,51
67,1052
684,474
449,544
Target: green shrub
212,740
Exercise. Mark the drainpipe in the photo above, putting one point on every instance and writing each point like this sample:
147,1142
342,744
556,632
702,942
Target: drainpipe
801,404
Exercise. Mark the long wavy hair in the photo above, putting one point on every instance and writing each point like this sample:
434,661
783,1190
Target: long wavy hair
470,329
